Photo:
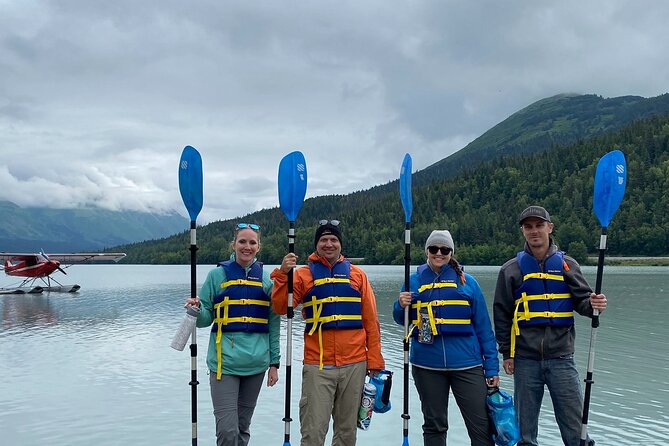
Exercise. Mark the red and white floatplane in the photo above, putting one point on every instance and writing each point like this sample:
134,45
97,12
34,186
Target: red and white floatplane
37,269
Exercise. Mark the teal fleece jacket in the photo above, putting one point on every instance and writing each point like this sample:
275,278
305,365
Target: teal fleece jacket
243,353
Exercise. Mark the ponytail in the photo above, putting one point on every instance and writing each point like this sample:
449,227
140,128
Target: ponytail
458,269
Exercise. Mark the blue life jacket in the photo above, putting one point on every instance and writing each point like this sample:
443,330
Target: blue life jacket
332,302
242,304
449,311
543,298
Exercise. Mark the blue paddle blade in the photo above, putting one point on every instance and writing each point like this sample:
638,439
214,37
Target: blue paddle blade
405,187
190,181
610,181
292,184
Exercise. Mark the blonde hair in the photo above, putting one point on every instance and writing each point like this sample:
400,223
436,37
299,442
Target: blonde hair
237,231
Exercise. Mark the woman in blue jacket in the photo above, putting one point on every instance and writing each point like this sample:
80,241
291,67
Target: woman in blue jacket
453,345
244,339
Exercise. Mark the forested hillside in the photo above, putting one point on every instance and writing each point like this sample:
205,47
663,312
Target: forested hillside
479,206
558,120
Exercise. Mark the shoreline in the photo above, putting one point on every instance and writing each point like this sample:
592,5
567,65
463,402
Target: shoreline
630,261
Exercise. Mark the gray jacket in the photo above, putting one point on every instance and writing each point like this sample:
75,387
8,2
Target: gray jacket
537,342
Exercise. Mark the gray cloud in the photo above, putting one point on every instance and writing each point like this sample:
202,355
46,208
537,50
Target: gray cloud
97,99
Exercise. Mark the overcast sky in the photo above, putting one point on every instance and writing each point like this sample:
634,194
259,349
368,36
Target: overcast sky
98,98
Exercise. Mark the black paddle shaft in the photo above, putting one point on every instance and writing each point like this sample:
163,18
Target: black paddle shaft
407,278
290,313
291,248
193,346
589,381
600,273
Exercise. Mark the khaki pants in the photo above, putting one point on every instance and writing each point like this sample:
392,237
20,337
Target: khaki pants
335,393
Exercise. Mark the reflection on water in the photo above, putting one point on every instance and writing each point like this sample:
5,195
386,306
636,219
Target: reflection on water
96,367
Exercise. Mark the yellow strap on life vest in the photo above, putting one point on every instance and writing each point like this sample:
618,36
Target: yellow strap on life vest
412,327
330,299
262,303
441,303
333,318
547,296
317,321
434,285
237,282
246,320
546,314
526,314
219,334
438,321
323,320
526,298
226,319
326,280
543,276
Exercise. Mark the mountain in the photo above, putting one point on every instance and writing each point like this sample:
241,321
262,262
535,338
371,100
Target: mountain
67,230
554,121
479,203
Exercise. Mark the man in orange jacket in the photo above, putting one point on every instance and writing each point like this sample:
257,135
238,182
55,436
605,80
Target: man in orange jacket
342,338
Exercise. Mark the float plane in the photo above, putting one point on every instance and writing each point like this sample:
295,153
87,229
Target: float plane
37,269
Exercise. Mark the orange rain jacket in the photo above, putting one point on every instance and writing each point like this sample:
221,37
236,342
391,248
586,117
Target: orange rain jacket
340,347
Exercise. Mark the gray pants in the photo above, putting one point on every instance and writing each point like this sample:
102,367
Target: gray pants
332,393
469,390
234,399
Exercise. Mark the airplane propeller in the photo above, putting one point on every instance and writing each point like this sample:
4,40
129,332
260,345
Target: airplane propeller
54,261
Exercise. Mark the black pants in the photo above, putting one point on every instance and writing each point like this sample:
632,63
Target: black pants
469,390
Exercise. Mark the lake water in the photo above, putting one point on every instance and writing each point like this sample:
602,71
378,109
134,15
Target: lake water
95,367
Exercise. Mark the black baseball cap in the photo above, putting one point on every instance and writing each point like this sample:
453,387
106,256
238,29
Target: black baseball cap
534,211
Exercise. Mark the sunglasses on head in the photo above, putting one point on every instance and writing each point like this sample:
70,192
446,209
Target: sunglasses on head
443,249
252,226
332,222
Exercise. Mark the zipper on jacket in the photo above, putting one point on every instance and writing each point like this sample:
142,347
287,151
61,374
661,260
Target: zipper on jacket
541,344
543,338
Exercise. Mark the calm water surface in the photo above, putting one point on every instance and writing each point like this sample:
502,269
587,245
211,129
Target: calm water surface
96,367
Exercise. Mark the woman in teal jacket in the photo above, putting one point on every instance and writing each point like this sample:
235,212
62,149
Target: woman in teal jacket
453,345
244,340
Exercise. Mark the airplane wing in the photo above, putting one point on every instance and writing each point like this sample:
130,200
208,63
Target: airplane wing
74,257
11,255
88,257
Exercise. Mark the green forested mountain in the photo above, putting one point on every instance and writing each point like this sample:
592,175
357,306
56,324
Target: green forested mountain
479,206
554,121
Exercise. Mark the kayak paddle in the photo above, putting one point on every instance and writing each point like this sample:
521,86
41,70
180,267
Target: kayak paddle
610,181
190,186
292,189
407,204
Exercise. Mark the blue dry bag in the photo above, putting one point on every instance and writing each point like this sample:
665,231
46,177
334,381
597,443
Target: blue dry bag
383,381
503,417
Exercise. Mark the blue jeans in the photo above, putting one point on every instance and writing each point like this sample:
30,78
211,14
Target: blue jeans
561,378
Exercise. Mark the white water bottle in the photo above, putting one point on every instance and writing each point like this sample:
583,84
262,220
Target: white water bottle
186,328
366,406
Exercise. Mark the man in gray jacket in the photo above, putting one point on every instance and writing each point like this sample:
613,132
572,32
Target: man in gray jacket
536,296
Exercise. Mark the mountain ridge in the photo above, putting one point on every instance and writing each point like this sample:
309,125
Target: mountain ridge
556,120
80,229
480,204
